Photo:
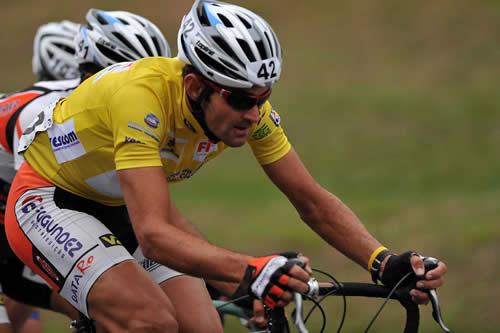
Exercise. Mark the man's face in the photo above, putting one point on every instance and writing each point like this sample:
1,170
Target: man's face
230,125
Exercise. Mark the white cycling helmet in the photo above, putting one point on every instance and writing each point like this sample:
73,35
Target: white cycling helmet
116,36
229,45
54,52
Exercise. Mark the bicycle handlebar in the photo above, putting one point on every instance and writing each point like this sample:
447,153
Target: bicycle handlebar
279,323
372,290
366,290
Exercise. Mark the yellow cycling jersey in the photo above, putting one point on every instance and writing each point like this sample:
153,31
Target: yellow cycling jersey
131,115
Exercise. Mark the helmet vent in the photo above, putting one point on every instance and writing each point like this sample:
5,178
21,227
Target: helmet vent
111,54
145,45
203,16
140,22
123,21
215,65
128,55
125,42
225,20
65,48
269,43
101,20
246,48
245,22
261,48
228,64
157,45
226,48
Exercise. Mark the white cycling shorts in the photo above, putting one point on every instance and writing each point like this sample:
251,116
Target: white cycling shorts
68,248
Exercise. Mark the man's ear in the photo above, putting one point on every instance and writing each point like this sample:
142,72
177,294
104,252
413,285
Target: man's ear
194,86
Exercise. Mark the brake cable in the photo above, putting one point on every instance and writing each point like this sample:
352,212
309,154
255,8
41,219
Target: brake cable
344,312
387,300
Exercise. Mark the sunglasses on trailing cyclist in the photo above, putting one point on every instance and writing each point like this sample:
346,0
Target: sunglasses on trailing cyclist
238,99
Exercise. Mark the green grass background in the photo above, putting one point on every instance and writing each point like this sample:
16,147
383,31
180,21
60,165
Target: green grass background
393,106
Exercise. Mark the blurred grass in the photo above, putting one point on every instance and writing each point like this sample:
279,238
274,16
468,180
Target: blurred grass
393,106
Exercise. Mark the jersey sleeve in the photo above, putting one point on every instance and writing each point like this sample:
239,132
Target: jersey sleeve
268,140
138,124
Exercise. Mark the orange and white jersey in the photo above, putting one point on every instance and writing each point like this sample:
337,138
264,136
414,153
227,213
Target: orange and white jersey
17,110
131,115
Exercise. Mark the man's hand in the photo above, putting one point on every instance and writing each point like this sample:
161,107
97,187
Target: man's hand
394,267
273,279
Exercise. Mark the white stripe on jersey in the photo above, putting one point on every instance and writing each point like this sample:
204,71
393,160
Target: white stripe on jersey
58,89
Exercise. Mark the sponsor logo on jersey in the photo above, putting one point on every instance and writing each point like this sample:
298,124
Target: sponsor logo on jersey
75,287
262,132
65,142
48,269
203,149
9,106
152,121
149,265
11,103
180,175
109,240
56,236
82,266
275,117
129,139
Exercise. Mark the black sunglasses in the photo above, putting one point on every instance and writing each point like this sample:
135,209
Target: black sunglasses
238,99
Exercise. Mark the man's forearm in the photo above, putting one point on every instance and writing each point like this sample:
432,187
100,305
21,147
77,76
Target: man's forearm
192,255
341,228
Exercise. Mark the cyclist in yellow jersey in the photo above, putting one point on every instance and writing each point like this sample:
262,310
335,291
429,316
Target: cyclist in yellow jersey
129,131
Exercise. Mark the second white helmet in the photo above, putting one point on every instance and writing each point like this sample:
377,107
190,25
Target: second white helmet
54,52
116,36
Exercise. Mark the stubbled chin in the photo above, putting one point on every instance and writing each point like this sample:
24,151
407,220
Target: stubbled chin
237,138
235,143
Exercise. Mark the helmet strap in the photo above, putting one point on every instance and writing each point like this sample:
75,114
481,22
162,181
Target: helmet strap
199,113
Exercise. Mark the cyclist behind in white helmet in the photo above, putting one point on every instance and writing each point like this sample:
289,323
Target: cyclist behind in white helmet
117,143
55,60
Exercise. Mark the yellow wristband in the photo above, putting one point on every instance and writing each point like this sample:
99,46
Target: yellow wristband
374,255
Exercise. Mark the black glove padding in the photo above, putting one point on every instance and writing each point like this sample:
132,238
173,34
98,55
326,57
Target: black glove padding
396,267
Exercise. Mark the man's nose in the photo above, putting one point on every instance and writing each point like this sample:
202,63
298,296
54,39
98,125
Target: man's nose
252,114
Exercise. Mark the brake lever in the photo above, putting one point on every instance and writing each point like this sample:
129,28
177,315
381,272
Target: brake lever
297,314
431,263
436,310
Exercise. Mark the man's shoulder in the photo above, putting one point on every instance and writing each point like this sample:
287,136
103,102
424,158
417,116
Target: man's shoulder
170,68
